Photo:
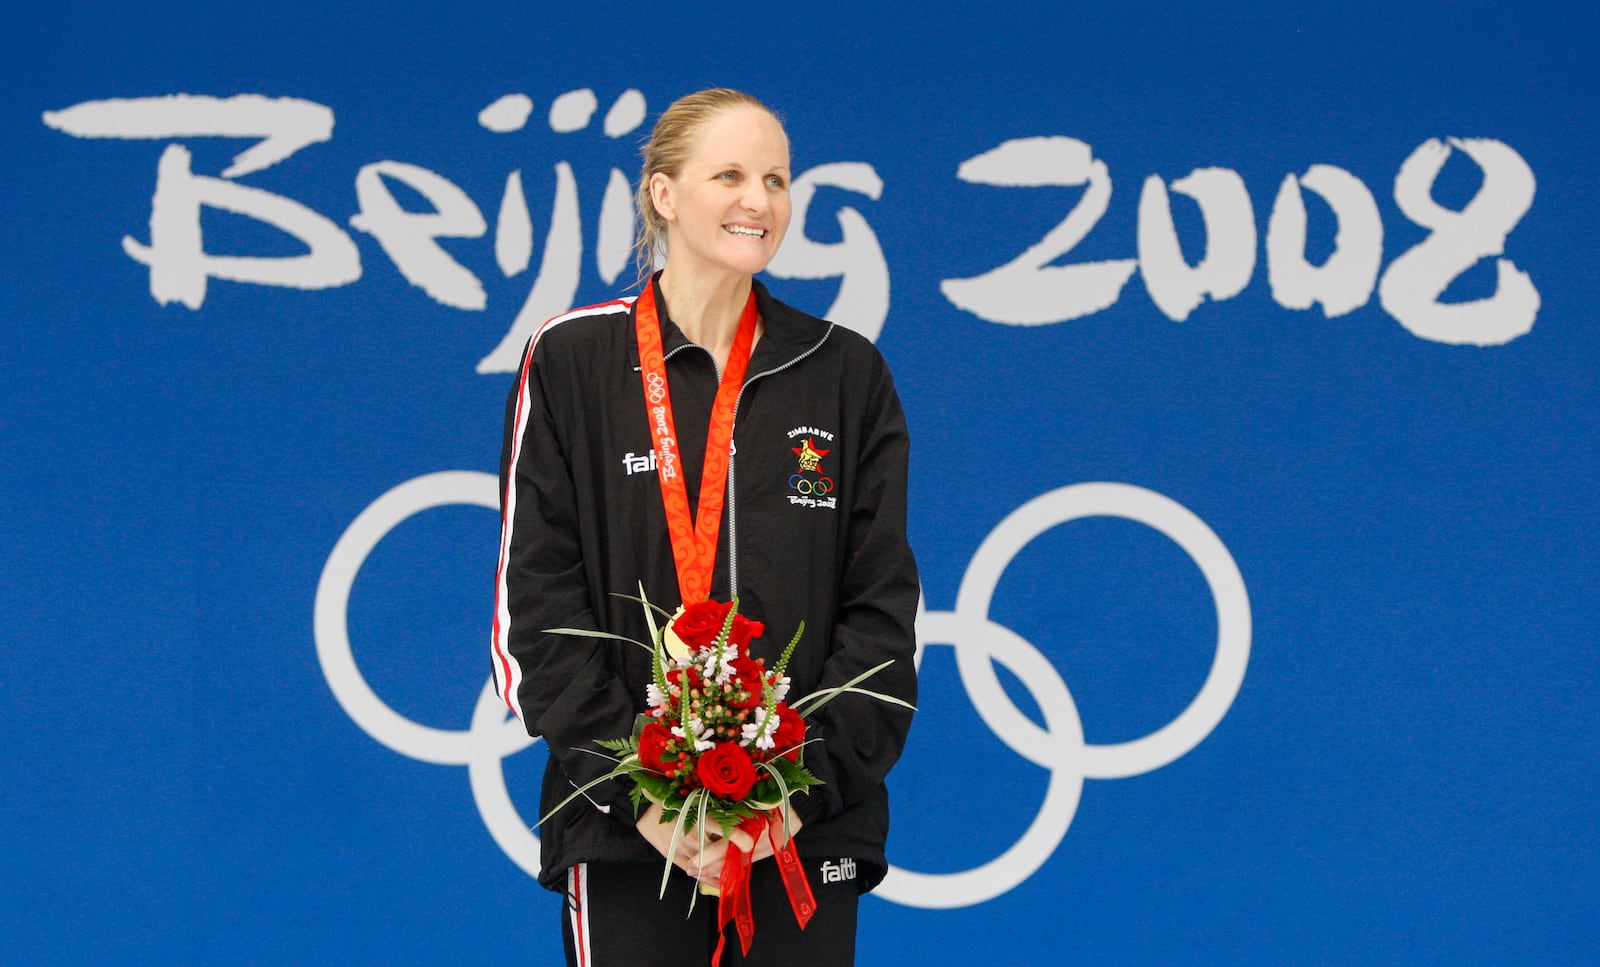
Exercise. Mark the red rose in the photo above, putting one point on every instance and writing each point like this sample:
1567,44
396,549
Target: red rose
726,771
749,674
701,622
653,742
743,630
676,676
791,731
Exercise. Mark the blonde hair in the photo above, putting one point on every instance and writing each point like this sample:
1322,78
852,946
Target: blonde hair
668,147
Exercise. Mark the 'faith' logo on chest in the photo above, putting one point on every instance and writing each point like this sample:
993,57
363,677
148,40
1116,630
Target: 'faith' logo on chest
839,872
642,463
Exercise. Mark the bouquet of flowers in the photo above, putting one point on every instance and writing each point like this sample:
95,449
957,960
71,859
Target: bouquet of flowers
720,740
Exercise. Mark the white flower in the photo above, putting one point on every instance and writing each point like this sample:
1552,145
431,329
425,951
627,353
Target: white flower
653,696
760,730
724,663
702,734
780,688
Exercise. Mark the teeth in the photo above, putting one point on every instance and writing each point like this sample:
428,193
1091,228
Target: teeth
742,230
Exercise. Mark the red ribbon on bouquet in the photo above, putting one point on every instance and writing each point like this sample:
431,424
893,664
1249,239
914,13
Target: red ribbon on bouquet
733,906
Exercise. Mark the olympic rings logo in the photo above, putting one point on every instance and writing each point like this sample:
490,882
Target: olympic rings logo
979,643
658,387
806,487
1060,746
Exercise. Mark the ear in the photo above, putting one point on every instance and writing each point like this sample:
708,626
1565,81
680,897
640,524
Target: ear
661,195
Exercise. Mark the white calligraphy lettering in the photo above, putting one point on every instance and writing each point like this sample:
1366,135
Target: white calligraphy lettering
179,264
1029,290
863,300
1344,282
408,237
1176,287
1459,239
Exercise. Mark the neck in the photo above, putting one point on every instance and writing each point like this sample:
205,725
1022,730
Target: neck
707,310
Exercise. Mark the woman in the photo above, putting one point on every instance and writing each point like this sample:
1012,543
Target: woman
807,452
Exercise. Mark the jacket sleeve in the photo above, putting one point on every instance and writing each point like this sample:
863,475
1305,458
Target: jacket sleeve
561,687
862,736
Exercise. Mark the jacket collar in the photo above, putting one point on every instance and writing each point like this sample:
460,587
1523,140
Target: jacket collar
789,333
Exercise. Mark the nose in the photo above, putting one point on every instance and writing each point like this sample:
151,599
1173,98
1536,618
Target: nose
754,197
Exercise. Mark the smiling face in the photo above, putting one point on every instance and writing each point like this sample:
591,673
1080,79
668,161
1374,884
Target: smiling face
728,208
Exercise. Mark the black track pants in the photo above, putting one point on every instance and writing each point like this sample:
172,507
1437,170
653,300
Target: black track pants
614,917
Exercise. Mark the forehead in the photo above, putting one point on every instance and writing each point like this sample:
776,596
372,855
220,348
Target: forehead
747,135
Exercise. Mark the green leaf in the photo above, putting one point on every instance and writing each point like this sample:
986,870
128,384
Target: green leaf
591,633
783,659
821,697
622,769
650,609
658,653
655,787
877,695
777,777
672,847
795,775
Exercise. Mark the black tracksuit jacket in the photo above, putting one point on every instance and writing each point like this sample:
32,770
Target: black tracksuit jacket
583,519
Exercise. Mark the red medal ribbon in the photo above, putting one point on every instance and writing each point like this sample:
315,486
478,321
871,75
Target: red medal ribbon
733,906
694,540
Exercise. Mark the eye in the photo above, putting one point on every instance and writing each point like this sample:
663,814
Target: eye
729,175
776,182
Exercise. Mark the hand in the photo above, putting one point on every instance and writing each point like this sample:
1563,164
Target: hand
704,865
761,847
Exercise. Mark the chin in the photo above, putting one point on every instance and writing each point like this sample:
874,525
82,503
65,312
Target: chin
749,263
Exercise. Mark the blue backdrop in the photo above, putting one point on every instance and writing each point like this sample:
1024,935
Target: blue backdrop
1250,362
